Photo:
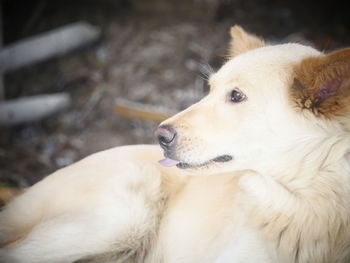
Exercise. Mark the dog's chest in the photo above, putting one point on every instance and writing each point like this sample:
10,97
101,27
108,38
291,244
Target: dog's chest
204,224
183,241
244,247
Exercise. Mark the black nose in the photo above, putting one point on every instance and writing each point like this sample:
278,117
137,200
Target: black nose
166,135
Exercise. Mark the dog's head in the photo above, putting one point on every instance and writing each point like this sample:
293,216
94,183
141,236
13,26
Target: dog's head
263,102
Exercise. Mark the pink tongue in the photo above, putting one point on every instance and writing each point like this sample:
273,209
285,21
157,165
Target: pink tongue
168,162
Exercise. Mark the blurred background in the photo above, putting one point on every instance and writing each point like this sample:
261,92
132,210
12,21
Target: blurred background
151,57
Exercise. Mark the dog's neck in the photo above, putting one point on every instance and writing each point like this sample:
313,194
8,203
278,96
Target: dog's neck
310,158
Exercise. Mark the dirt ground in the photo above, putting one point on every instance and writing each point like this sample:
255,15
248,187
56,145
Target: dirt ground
155,52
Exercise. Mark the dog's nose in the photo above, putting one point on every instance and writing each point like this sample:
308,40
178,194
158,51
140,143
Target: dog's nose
166,135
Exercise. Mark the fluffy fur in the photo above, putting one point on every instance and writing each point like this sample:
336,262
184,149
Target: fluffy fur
282,196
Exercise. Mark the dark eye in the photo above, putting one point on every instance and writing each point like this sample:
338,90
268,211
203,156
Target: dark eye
237,96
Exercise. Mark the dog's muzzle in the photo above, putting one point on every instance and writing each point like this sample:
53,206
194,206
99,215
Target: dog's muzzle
167,137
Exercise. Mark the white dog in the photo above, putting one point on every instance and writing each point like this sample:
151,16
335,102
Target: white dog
257,171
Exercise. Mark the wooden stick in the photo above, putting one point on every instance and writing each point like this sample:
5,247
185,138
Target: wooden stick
47,45
130,109
7,193
28,109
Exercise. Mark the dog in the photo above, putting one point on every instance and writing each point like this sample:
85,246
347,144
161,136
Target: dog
257,171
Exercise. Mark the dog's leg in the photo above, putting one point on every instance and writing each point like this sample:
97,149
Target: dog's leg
271,208
304,228
108,202
63,238
120,225
270,193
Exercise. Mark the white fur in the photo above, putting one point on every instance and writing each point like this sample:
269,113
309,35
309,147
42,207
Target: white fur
289,168
85,209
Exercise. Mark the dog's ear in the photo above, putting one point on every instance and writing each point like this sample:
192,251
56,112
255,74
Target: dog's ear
322,84
242,42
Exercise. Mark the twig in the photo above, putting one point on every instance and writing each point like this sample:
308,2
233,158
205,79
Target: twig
28,109
130,109
47,45
7,193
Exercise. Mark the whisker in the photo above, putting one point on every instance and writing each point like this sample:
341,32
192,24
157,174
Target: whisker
205,71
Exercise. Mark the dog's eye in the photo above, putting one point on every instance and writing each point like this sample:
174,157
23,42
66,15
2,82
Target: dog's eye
237,96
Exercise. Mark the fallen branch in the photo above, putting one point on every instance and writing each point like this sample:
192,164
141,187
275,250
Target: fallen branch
130,109
29,109
7,193
47,45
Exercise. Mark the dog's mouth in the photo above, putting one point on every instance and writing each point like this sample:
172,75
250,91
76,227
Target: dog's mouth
167,162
